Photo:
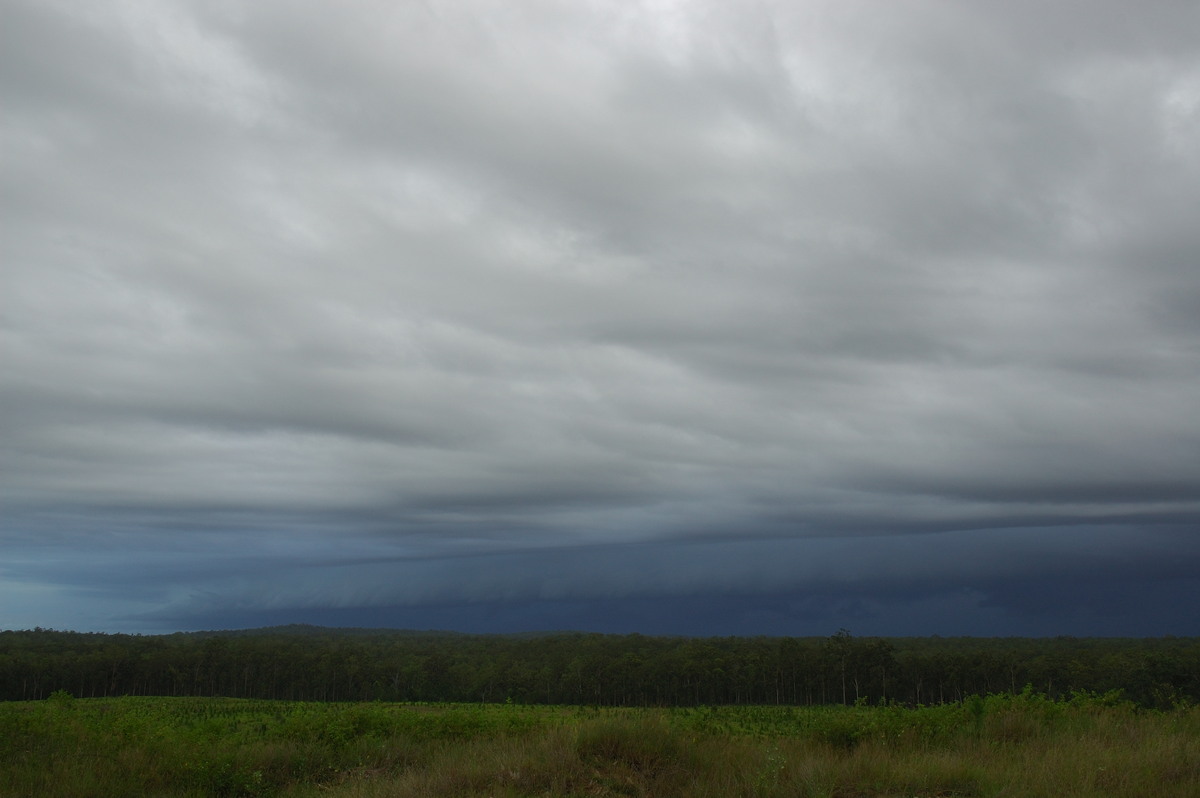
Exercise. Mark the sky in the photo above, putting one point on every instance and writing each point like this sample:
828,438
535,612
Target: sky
686,318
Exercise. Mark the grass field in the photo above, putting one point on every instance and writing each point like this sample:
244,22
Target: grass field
995,746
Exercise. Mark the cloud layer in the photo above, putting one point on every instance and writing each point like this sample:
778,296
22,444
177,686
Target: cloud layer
829,306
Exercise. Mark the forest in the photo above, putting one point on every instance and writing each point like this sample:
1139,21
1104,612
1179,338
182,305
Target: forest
304,663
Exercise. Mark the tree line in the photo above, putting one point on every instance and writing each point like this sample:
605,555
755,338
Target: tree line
303,663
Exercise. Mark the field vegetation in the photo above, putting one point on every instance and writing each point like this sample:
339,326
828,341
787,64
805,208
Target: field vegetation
1021,744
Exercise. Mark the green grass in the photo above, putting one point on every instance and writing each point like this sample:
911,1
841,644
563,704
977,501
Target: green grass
995,746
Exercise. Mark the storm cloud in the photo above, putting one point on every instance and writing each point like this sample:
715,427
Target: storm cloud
698,318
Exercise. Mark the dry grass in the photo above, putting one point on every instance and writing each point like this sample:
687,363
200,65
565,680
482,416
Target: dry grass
1150,756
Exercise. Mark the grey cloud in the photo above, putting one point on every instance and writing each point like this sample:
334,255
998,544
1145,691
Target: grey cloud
470,280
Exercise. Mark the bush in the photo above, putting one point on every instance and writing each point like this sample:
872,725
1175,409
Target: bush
641,743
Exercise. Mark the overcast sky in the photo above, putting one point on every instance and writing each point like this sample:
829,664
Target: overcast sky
671,317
